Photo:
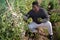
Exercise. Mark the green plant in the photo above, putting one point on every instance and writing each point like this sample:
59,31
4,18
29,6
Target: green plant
12,26
54,17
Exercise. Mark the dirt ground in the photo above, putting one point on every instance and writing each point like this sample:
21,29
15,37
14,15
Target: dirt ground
42,35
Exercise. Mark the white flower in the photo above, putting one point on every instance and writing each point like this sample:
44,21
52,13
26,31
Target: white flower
20,23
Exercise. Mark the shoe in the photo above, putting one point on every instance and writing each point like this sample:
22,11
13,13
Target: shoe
50,37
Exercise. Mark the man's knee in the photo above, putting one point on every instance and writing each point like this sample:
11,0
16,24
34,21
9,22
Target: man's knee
30,26
49,23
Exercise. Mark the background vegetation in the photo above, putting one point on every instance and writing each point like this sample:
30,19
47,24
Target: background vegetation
12,26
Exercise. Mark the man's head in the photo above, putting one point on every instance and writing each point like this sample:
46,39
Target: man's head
35,6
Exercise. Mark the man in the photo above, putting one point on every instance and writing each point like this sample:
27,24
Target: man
40,19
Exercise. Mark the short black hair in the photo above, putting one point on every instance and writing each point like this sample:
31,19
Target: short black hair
35,3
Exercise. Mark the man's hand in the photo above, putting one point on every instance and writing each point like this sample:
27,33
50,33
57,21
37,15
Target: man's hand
42,20
25,18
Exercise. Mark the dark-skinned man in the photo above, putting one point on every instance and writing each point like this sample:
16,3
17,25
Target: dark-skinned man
40,18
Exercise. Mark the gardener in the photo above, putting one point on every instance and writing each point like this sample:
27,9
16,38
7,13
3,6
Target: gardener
40,18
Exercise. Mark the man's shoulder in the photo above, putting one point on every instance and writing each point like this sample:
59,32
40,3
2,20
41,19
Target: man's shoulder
42,8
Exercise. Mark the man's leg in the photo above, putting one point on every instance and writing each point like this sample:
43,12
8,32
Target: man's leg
47,24
49,27
32,26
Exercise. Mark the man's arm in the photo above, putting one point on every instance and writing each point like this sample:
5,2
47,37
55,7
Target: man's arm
46,16
26,17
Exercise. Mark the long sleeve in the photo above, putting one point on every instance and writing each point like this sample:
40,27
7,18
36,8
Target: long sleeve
27,16
45,15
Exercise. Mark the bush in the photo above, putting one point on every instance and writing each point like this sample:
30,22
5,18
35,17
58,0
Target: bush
54,17
12,27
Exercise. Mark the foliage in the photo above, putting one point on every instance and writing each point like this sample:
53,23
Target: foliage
54,17
45,3
12,27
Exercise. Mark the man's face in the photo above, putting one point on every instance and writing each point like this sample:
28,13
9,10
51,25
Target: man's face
35,8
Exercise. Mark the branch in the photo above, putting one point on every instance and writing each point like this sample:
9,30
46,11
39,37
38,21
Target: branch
10,8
